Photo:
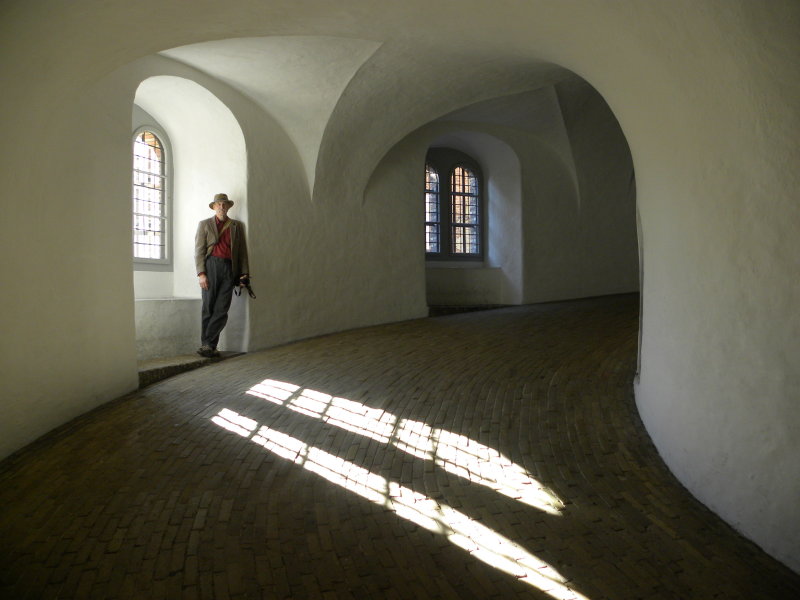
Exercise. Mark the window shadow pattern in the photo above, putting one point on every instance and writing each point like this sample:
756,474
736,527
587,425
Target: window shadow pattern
455,453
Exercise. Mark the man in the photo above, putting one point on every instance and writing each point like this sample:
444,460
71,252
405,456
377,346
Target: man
220,256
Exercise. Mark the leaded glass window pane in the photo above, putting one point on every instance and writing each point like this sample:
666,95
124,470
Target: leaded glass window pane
464,212
432,215
149,197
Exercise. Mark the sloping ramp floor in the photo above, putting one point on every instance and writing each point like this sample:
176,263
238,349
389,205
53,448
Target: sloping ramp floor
473,456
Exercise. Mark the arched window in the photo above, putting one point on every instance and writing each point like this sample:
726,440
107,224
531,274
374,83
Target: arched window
150,233
453,206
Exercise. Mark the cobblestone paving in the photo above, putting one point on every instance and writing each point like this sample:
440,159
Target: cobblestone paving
475,456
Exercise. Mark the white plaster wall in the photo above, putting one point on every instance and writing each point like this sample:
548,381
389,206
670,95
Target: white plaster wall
606,241
706,93
720,375
152,284
504,187
167,327
67,320
451,286
580,225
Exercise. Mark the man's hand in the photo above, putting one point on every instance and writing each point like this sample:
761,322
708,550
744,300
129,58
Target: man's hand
203,281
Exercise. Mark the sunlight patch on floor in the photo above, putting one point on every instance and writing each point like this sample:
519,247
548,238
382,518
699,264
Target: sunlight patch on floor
453,452
478,540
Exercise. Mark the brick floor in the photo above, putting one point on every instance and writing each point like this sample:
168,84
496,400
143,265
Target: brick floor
473,456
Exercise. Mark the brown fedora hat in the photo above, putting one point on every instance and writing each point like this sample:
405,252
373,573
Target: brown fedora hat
220,198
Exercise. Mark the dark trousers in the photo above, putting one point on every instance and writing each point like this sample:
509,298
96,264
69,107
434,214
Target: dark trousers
216,299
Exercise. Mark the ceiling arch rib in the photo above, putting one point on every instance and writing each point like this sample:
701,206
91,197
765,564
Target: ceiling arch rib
395,99
296,79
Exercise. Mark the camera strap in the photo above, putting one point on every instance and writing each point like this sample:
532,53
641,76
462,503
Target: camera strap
210,247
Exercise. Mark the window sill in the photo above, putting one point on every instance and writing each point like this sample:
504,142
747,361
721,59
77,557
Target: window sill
167,299
455,264
141,265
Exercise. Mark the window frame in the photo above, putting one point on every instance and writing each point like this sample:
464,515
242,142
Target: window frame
444,161
165,263
433,197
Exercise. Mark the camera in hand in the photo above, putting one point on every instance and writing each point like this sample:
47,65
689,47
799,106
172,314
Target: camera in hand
244,282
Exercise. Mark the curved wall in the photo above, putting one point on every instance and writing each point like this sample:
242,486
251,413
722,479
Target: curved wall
706,94
720,359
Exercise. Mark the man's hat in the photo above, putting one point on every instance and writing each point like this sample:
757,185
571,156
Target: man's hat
220,198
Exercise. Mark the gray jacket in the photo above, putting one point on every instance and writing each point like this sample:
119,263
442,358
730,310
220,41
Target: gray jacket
206,237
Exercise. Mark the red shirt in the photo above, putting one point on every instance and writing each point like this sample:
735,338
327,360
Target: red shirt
223,246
